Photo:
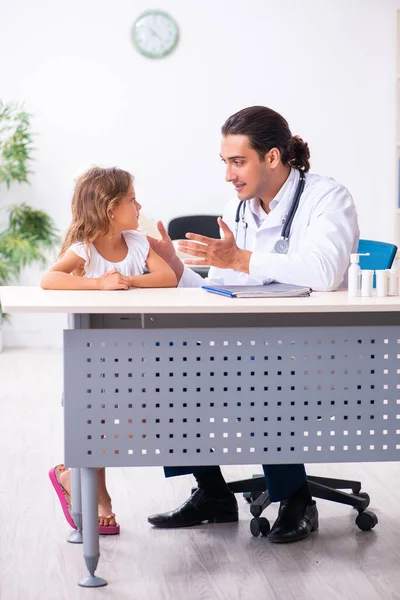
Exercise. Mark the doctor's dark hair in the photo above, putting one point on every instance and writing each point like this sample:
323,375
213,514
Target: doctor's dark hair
267,129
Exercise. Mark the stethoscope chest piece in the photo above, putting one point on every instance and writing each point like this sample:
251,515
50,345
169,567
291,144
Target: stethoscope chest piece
282,246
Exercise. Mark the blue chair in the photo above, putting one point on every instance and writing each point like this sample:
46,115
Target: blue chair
381,254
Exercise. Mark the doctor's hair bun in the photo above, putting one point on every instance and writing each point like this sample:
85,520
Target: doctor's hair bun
299,154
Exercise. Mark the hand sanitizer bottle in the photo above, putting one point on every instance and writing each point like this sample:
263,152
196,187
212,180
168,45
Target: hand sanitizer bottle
354,276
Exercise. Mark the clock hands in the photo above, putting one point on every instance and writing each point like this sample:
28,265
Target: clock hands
155,34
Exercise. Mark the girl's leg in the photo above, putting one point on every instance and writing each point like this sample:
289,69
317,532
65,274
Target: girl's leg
105,506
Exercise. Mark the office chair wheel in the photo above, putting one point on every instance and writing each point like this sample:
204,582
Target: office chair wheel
366,497
366,520
259,526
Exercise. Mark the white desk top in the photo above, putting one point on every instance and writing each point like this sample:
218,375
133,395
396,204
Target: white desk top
24,299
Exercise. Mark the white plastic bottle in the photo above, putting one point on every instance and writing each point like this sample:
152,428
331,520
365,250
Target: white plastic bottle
354,276
393,276
381,282
367,277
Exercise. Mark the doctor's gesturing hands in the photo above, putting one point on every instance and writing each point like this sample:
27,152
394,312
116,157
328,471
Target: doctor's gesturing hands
222,253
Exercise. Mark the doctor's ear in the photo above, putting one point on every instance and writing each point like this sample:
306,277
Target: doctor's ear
273,157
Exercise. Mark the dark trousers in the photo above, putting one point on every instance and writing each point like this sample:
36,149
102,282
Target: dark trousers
282,480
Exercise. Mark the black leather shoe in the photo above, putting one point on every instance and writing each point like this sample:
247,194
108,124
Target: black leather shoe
197,509
295,521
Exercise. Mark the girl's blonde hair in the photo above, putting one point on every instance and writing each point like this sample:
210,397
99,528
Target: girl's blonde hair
97,192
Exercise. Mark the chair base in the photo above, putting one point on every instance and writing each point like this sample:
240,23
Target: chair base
326,488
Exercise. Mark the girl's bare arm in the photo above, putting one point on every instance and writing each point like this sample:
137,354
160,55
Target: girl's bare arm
61,276
160,274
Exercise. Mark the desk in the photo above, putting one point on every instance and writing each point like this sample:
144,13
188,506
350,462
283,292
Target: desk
183,377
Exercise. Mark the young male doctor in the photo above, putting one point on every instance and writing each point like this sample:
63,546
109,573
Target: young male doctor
285,225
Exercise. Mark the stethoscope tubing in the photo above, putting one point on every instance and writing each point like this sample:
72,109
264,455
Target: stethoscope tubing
241,208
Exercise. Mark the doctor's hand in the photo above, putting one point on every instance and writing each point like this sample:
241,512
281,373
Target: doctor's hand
222,253
165,249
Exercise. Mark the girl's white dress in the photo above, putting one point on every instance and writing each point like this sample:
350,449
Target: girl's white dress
133,264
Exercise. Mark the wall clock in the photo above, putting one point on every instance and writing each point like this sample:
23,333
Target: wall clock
155,33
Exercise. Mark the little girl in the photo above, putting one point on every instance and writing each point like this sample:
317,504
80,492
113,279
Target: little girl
103,251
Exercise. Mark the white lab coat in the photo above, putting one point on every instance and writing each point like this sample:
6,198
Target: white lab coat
323,234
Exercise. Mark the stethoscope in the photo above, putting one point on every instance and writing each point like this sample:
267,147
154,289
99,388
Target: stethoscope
282,245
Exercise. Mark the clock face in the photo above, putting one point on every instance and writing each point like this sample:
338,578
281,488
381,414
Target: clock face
155,34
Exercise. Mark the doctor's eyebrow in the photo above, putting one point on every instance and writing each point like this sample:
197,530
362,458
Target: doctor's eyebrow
232,157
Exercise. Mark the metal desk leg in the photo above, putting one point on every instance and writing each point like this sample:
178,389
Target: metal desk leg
76,511
91,550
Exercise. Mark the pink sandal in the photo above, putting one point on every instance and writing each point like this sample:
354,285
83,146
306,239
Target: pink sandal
62,493
65,501
108,529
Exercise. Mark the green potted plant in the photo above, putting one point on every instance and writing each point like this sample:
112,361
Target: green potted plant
29,233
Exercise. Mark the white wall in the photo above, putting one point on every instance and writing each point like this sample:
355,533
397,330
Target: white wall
328,66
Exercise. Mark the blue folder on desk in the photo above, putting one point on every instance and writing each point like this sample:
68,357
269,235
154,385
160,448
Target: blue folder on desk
270,290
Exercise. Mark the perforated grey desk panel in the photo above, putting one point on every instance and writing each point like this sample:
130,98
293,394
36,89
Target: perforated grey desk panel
231,395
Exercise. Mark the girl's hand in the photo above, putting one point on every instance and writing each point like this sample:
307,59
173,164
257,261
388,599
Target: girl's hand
113,280
164,247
